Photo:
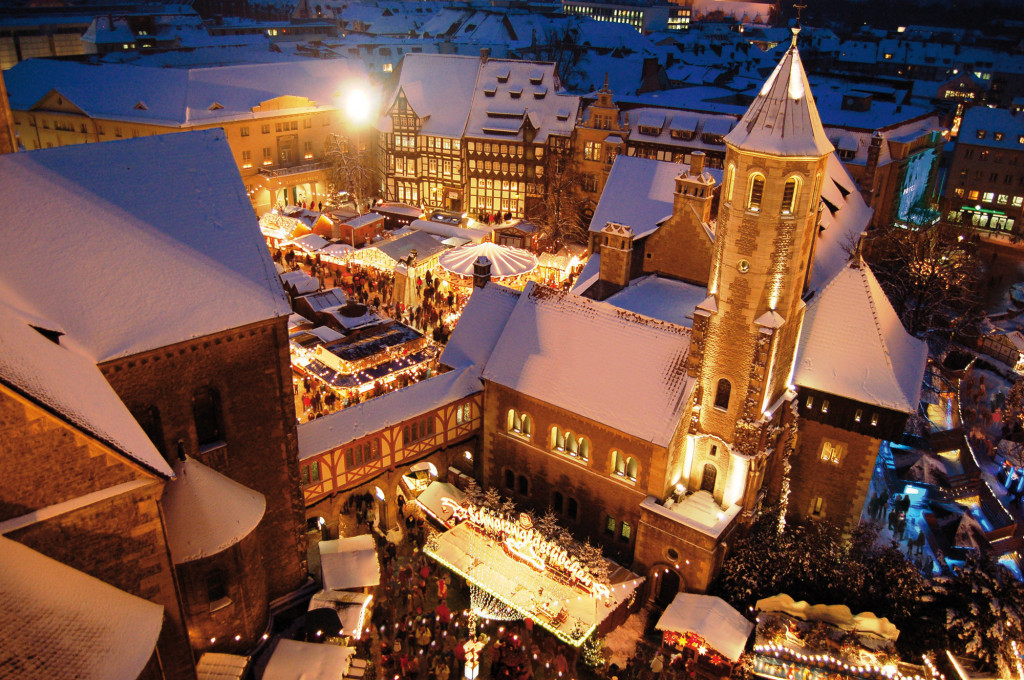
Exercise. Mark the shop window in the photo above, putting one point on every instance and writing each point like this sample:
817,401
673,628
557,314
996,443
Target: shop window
722,394
207,415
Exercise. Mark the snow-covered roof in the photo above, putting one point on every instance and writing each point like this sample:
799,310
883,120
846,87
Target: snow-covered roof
218,666
295,660
70,385
301,282
853,344
310,242
450,230
783,119
714,619
480,325
439,88
698,511
57,622
154,238
838,615
988,122
325,299
846,216
432,496
505,260
182,97
206,512
638,193
539,355
661,298
349,563
425,245
350,608
324,434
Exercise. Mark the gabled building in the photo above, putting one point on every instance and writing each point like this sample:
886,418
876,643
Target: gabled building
183,323
473,134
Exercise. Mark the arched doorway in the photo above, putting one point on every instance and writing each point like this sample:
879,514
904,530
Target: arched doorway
707,481
382,508
667,588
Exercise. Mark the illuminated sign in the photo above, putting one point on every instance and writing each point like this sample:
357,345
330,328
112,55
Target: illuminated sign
524,543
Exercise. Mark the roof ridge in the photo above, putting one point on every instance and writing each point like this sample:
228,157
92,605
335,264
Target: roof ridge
878,327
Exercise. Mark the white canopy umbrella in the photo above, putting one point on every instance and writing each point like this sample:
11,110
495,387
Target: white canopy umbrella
505,261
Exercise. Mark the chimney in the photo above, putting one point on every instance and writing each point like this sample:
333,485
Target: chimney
696,163
481,272
485,54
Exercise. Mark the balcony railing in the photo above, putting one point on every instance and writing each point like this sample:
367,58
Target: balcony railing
293,169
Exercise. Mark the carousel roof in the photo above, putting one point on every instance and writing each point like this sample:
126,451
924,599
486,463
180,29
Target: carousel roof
505,261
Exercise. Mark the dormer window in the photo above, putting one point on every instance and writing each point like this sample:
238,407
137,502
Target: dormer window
490,90
648,130
504,74
981,134
515,92
216,106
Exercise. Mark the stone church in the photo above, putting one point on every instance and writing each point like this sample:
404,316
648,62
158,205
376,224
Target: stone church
721,350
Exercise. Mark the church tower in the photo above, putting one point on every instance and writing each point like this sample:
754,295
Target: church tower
746,331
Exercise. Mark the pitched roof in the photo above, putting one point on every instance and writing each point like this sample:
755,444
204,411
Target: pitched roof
480,325
853,345
207,513
71,386
146,242
783,119
540,355
638,193
57,622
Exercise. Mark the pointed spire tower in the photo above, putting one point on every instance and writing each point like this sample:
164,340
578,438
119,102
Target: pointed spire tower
746,332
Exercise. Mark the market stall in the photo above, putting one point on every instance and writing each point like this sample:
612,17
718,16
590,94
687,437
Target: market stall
515,572
506,262
431,500
707,631
294,660
349,563
352,609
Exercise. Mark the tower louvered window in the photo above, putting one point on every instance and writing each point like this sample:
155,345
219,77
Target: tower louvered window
756,193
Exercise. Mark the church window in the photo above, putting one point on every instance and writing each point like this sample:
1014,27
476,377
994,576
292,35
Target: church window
519,423
756,192
789,196
722,394
730,179
832,452
207,415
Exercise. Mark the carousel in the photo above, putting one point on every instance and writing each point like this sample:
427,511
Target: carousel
509,265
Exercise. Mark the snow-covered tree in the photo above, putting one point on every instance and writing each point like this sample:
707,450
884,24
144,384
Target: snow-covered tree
474,494
350,171
507,509
492,499
547,524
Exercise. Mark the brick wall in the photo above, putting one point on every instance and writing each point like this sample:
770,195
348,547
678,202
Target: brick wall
249,369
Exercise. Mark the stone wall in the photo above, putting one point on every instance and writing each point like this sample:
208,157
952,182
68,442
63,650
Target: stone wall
249,369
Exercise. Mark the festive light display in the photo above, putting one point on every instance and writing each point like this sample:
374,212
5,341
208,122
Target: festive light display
790,658
695,642
524,543
489,607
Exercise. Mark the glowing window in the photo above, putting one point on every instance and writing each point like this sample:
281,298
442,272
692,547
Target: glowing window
756,192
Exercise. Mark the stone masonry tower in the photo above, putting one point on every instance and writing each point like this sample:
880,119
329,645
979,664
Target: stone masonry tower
746,331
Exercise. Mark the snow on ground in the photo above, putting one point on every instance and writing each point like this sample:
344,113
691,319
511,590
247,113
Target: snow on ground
620,644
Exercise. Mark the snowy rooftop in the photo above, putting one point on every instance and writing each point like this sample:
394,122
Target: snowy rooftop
698,511
783,119
439,88
57,622
294,660
482,321
638,194
539,355
70,385
426,245
845,217
998,128
449,230
714,619
853,345
324,434
135,274
349,563
318,302
660,298
181,96
206,512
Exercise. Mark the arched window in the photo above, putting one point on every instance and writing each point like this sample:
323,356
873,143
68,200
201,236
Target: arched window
707,481
583,451
524,485
571,446
207,415
722,394
632,468
789,195
756,192
519,423
618,464
557,439
572,509
730,179
558,502
510,479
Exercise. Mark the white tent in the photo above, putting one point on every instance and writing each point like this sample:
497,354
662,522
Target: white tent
348,563
712,618
505,261
430,500
294,660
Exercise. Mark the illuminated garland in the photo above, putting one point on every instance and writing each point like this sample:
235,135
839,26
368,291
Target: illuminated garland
696,643
524,543
489,607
